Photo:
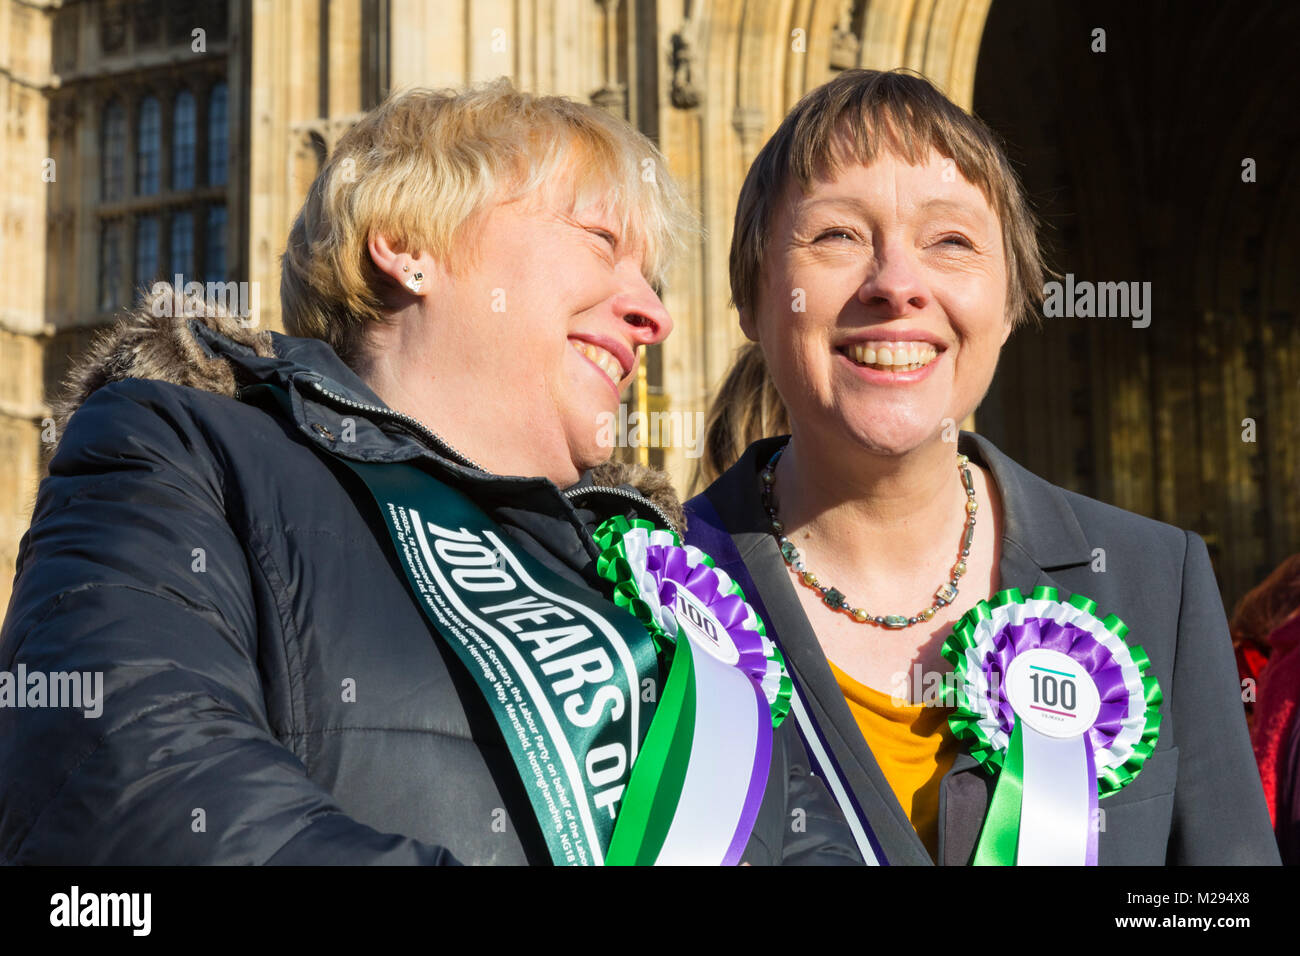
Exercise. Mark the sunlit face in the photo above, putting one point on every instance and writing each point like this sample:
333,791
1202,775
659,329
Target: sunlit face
554,310
882,302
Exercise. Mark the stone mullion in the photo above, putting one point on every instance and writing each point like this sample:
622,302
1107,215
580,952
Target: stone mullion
132,104
89,136
343,71
166,188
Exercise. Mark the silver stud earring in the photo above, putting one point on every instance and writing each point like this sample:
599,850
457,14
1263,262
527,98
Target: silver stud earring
415,282
406,268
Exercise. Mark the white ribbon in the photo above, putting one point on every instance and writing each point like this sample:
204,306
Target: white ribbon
1054,814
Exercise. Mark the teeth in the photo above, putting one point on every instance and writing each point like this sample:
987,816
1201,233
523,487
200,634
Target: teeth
892,356
602,359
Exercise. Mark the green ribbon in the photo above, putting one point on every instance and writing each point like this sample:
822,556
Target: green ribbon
656,784
1000,836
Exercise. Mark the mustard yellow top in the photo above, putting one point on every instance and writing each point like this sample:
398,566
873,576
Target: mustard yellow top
913,746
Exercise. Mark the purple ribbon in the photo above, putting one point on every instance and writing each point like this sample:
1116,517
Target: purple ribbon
672,570
1078,644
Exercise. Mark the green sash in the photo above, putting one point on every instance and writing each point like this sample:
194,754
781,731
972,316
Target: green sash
562,673
570,677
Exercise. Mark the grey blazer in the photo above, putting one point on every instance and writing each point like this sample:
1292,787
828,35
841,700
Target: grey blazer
1198,798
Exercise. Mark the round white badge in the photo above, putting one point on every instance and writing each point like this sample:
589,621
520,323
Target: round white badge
1052,693
703,628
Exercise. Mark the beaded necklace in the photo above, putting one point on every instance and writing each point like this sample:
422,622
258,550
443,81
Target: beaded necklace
833,597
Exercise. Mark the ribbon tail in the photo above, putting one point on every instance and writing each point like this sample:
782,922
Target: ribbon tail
729,764
1094,815
1001,832
757,782
655,785
1055,822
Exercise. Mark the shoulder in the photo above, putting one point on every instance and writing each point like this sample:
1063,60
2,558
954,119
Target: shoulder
1142,556
138,419
151,372
1058,526
733,496
1102,519
144,449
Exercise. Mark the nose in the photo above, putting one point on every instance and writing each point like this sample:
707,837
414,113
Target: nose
641,310
896,286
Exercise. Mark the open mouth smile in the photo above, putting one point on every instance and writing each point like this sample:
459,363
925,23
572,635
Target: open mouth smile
603,359
887,356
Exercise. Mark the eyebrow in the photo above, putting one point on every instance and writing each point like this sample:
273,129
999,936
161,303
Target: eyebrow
634,236
948,205
936,203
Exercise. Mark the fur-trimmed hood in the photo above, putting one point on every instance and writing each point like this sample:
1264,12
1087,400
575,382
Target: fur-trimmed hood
157,340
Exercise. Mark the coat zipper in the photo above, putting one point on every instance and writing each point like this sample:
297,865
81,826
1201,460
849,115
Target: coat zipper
632,495
412,423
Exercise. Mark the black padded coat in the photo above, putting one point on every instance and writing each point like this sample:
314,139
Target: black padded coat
219,566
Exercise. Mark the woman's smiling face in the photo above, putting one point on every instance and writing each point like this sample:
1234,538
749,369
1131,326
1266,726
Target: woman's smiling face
548,320
881,308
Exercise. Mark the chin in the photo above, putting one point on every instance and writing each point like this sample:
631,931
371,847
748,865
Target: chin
895,436
586,460
592,449
593,432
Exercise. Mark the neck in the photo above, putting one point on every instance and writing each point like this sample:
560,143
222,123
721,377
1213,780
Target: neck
870,512
461,404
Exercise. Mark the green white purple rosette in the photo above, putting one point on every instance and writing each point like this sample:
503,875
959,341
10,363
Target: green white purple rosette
698,781
1054,702
648,566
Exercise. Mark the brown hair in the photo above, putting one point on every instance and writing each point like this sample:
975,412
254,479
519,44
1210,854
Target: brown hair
746,408
902,112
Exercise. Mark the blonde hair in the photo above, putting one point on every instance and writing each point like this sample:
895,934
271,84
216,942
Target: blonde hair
747,407
422,165
900,111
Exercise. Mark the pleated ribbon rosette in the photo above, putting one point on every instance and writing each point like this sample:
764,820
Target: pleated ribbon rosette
697,784
1055,703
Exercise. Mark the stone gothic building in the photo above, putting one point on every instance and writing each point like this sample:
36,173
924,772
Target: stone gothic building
144,138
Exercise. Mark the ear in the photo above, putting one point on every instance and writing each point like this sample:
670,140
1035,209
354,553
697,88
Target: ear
412,273
747,324
1006,332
